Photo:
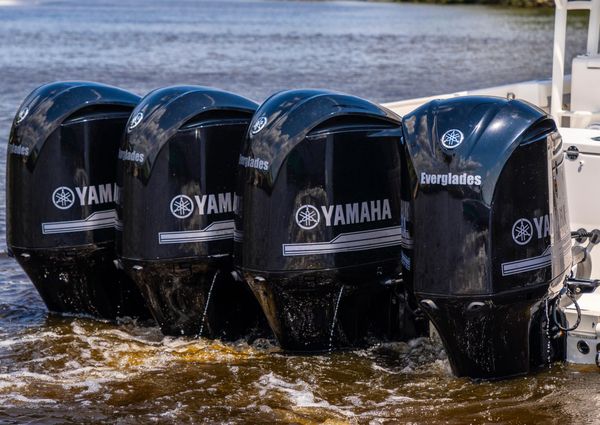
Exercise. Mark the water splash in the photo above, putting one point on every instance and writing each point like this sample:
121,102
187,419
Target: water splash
207,302
548,344
335,312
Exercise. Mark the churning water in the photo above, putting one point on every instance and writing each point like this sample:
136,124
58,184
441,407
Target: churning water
77,370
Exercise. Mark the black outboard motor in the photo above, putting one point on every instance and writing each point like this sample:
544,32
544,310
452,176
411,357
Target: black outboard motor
318,232
177,170
61,193
488,216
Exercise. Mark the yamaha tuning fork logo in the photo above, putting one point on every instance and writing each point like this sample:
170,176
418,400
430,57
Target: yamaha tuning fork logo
452,138
22,114
63,198
522,231
307,217
135,121
259,125
182,206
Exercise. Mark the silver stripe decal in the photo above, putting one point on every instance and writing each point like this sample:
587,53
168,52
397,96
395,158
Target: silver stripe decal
98,220
347,242
533,263
528,264
219,230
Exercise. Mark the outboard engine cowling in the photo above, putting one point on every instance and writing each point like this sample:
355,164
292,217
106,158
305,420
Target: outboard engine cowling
177,169
488,217
318,228
62,157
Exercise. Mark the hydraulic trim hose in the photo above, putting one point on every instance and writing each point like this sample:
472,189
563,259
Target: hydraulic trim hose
565,291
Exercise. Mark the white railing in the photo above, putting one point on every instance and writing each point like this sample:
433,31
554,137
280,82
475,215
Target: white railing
560,35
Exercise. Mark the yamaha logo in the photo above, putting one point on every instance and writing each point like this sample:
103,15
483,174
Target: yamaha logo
452,138
182,206
63,198
22,114
307,217
137,119
259,125
522,231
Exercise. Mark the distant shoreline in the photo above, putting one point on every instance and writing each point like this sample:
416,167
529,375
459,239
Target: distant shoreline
511,3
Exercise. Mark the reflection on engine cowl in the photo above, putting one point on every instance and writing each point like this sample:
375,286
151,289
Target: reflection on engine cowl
318,227
61,196
177,173
487,214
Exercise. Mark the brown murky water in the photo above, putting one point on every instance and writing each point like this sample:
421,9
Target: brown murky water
77,370
73,370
